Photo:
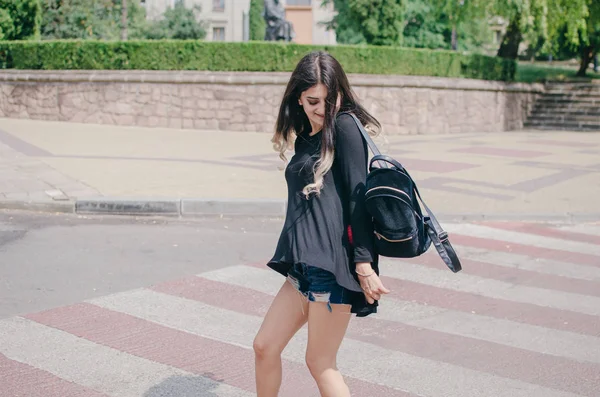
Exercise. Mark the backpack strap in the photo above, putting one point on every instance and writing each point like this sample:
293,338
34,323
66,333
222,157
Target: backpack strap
364,133
439,238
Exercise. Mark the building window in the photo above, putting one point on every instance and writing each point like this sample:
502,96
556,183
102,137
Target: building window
219,5
298,2
218,34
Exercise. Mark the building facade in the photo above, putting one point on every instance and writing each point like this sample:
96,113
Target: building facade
227,20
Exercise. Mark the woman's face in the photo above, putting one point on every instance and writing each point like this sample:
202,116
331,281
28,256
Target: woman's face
313,103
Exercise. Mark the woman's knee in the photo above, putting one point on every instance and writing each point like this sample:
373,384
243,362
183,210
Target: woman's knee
263,348
317,362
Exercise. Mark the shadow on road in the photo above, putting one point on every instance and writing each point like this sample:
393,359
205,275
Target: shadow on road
185,386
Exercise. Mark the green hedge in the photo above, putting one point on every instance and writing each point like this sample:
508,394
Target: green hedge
248,56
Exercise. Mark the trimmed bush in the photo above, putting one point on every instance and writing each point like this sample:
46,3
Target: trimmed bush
247,56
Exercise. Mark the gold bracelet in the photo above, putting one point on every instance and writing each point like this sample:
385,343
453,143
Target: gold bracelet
366,275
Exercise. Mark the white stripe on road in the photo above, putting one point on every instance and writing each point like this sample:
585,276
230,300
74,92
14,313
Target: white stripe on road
490,329
522,238
516,261
591,229
360,360
464,282
97,367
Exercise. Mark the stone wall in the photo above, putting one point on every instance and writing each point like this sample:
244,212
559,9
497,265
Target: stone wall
249,101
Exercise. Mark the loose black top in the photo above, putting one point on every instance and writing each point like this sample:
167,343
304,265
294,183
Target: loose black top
315,231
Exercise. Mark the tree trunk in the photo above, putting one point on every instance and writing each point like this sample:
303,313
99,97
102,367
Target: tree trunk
454,38
512,39
124,20
587,53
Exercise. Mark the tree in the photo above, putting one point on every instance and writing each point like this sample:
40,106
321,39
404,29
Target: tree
256,20
377,22
178,22
92,19
590,46
20,20
527,20
423,27
123,20
427,27
578,22
459,12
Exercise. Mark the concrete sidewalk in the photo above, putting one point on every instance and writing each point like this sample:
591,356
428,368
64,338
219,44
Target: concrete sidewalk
103,168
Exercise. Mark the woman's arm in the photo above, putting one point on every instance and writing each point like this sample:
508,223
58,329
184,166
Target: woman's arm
352,155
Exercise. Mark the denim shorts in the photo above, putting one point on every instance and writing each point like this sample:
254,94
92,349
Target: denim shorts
318,285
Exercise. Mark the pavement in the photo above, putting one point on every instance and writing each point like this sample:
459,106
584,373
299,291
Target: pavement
87,168
521,320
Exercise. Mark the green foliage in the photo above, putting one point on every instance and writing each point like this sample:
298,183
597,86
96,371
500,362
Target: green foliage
178,23
91,19
381,20
426,27
6,25
20,19
535,73
257,21
423,27
376,22
347,29
254,56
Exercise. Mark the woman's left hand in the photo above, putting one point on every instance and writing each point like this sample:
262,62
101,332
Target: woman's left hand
370,283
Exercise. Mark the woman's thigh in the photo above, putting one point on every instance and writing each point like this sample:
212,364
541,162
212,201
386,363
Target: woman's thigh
328,316
287,314
326,330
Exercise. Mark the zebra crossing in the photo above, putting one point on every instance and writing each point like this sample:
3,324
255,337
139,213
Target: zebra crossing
521,319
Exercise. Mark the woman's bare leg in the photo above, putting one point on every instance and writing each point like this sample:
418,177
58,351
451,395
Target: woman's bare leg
287,314
326,331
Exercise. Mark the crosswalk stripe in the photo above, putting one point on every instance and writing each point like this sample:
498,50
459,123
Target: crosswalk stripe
523,336
18,379
510,274
220,358
442,278
537,229
527,313
523,249
511,236
69,357
539,265
354,356
452,348
591,229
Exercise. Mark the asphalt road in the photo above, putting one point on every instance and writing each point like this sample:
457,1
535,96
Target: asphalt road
52,260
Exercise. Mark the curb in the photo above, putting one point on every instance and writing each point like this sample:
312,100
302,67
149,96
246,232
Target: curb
271,208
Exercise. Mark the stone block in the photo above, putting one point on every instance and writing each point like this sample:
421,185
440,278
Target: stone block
124,119
224,114
188,113
161,109
175,123
189,103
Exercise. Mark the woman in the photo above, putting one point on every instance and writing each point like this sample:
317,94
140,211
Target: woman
325,249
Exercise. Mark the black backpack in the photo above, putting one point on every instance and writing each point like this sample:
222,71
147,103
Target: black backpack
392,200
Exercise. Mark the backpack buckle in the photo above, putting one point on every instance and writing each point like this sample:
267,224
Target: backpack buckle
443,236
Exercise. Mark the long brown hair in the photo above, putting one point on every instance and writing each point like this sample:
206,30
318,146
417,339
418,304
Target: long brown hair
314,68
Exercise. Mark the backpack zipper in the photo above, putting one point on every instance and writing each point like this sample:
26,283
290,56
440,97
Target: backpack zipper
389,188
379,236
396,190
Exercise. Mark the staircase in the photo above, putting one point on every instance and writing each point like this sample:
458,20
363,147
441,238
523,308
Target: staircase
570,105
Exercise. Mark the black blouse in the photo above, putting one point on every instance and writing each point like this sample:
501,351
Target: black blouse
315,231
